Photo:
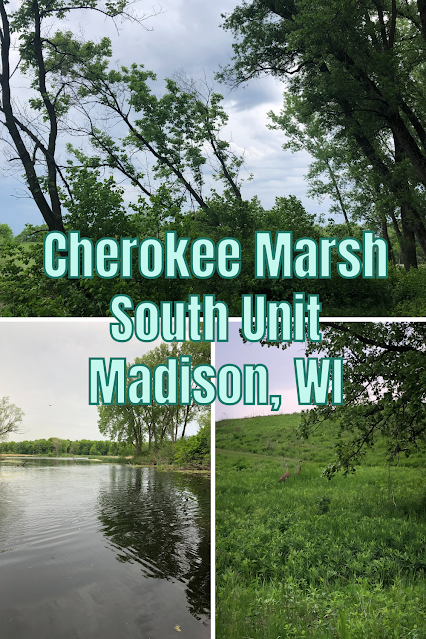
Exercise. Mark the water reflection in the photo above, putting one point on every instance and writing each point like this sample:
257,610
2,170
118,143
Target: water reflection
161,521
64,524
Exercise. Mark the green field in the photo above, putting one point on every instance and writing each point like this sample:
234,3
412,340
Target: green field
310,557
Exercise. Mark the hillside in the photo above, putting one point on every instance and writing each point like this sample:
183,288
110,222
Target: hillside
276,436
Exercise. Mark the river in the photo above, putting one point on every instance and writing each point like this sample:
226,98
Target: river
101,550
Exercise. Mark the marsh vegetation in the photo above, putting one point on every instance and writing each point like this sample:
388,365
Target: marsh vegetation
315,558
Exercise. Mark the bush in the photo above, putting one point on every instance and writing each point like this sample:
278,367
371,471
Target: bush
194,449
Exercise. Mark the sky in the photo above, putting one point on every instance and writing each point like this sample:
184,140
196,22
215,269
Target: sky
185,35
44,371
280,368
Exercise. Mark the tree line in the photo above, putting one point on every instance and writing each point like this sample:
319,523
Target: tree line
187,450
132,429
57,446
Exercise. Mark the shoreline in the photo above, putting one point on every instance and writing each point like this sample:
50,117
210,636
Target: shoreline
159,467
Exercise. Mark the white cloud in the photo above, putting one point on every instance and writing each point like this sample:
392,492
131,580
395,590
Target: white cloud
187,36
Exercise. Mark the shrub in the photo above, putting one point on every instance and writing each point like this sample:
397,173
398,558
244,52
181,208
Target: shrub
194,449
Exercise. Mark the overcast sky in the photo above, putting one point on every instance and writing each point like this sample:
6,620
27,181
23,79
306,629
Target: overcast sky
44,371
187,36
280,368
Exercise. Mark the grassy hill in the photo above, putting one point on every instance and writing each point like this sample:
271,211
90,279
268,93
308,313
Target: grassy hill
314,558
276,435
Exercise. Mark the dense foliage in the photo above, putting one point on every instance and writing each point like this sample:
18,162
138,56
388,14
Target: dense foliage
384,390
154,423
56,446
26,291
309,557
195,450
354,75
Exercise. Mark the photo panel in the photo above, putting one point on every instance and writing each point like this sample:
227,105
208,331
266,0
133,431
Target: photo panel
193,169
104,509
320,509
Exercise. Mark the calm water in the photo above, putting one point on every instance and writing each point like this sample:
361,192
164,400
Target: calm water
96,550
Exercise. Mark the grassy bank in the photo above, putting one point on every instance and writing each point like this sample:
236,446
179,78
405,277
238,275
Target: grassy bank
312,558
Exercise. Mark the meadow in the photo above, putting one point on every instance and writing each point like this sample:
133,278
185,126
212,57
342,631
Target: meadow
344,558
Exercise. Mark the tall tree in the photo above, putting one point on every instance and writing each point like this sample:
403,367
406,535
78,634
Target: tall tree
136,423
338,170
359,67
33,131
175,140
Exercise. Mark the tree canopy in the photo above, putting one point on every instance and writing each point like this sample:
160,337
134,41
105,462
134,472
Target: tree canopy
384,390
10,418
154,423
355,73
33,129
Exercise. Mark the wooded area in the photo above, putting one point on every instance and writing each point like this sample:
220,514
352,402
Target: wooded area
354,95
154,423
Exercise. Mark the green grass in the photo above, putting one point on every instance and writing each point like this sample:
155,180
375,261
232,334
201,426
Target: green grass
309,557
277,436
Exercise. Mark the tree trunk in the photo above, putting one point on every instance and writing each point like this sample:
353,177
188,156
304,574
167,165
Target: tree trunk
408,242
188,408
385,235
51,215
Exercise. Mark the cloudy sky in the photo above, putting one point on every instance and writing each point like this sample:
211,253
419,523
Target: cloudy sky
280,368
44,371
186,35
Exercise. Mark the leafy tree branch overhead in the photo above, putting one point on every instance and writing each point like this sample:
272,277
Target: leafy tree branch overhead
33,130
76,93
384,390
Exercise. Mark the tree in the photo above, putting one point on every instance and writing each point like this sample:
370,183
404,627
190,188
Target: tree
6,234
56,444
195,449
359,67
338,170
179,133
10,418
112,449
33,132
384,390
171,420
74,448
137,423
123,423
